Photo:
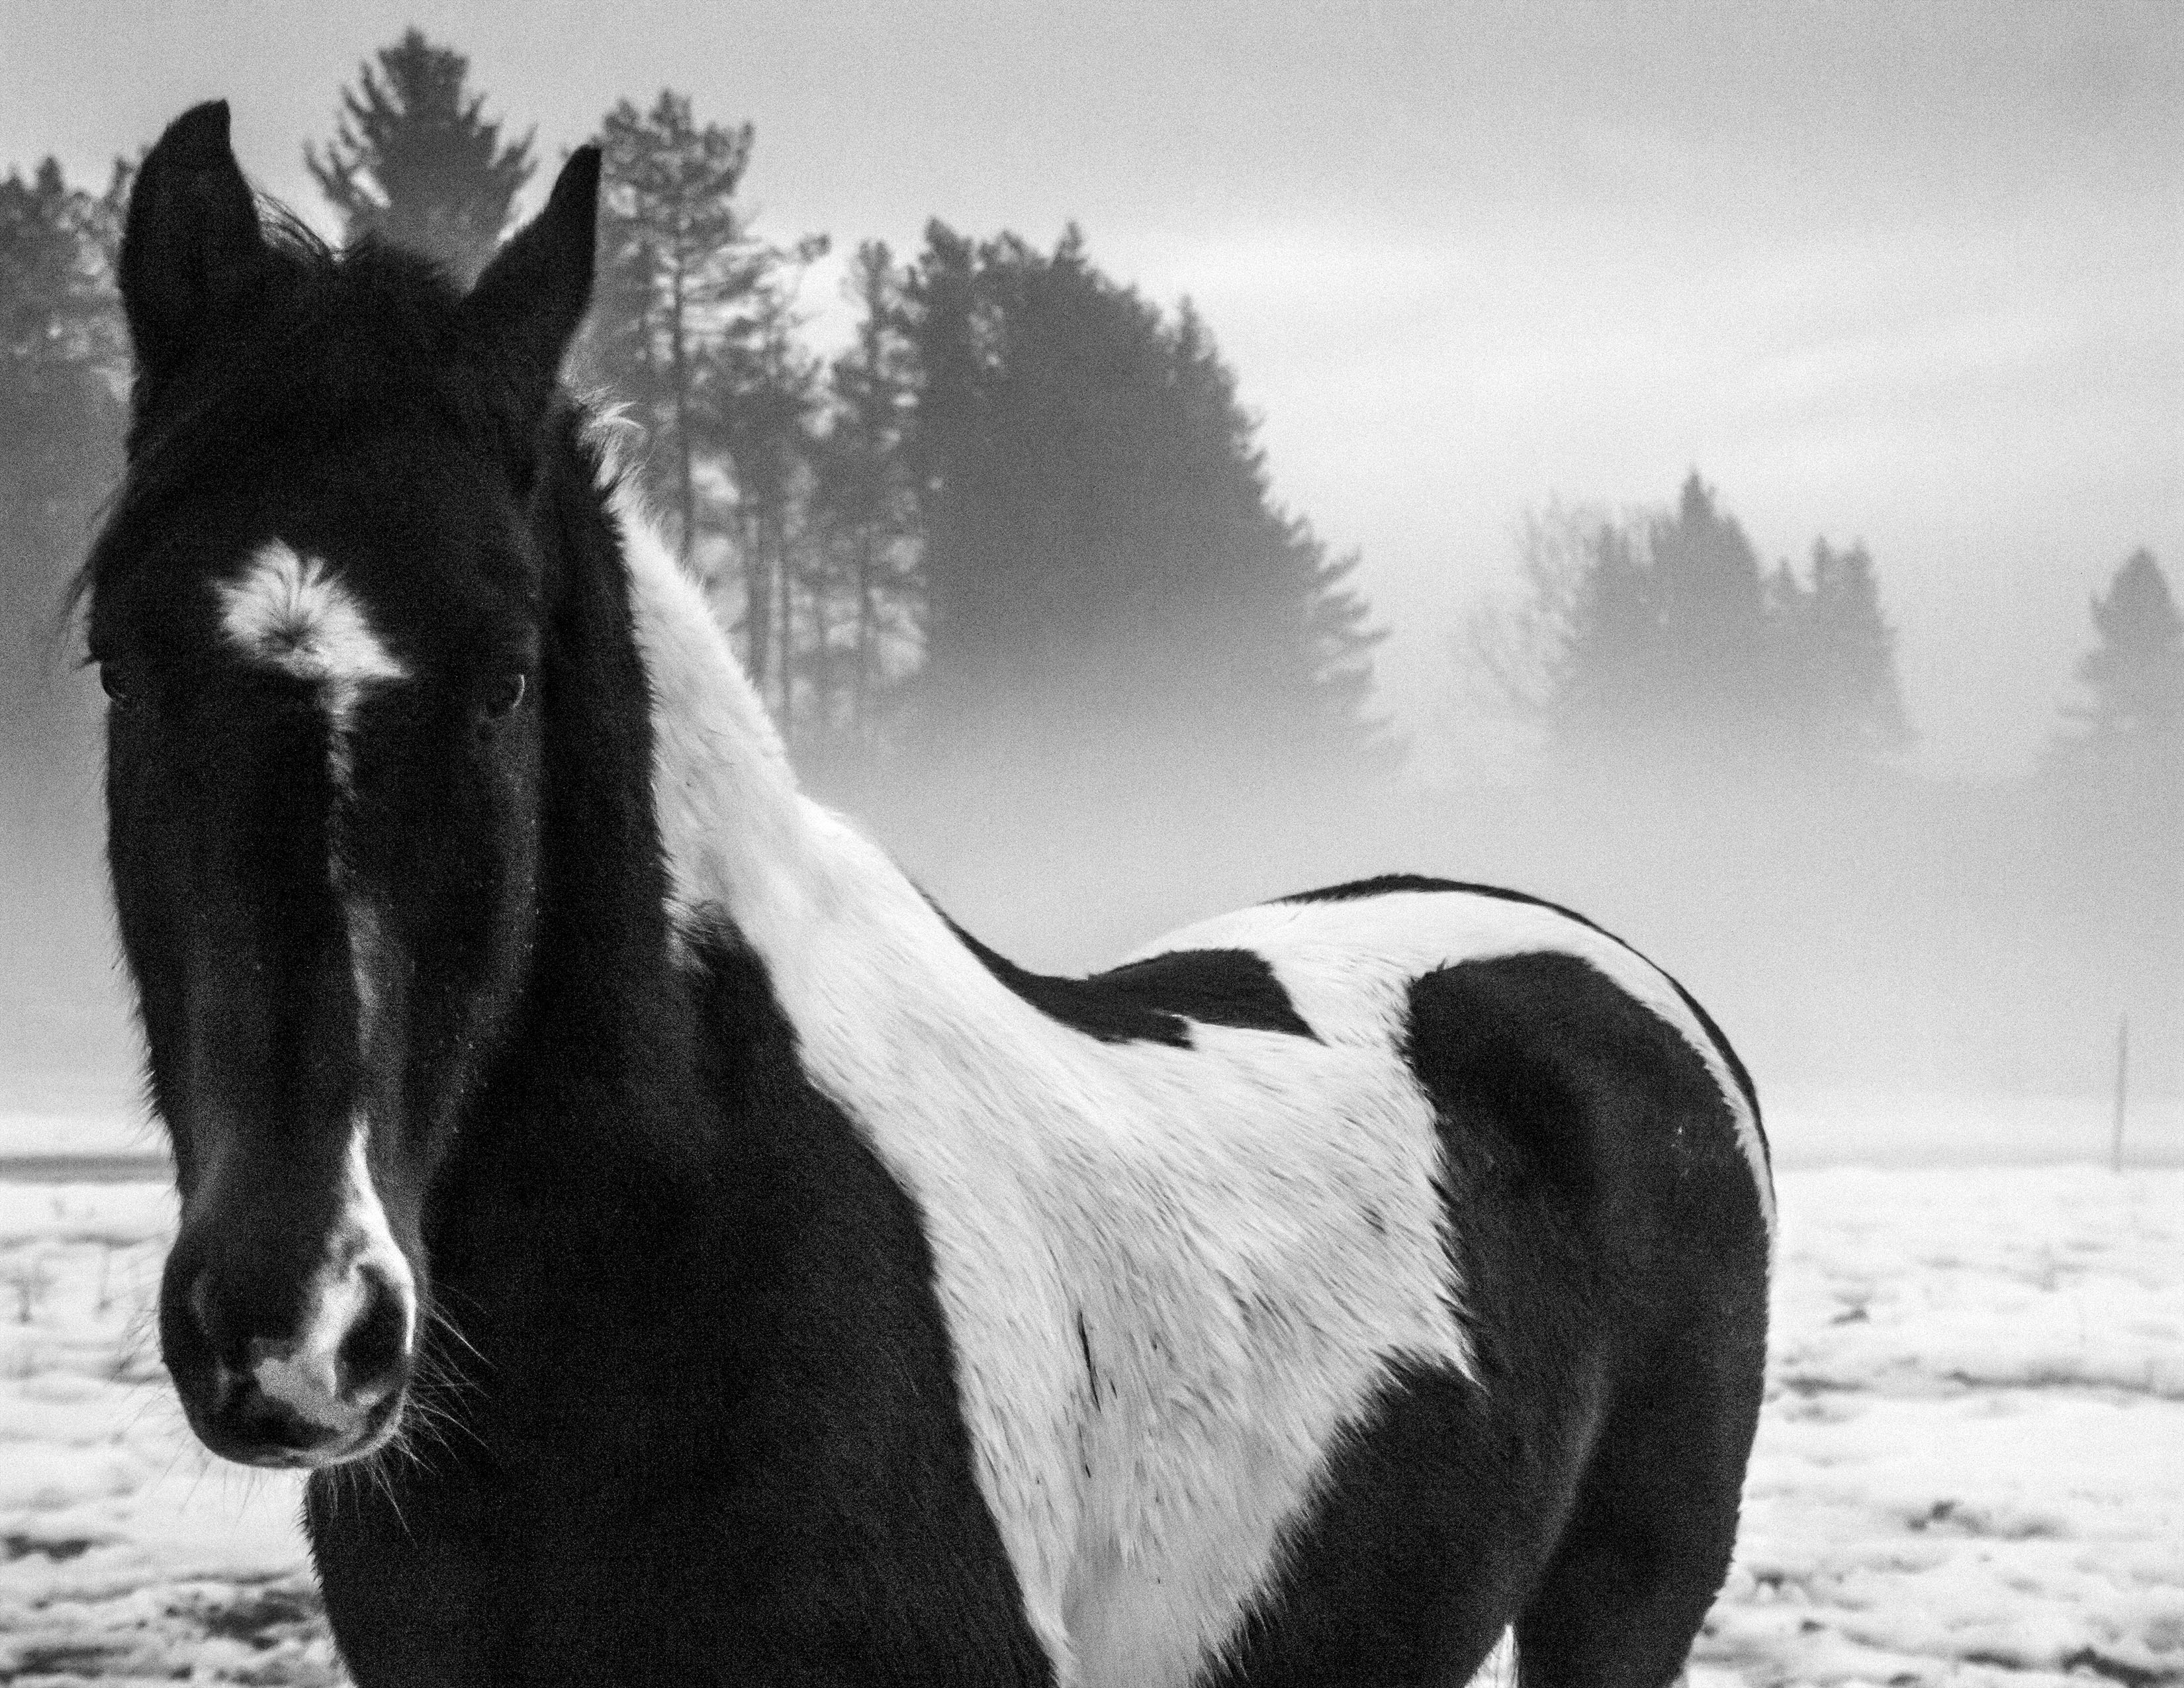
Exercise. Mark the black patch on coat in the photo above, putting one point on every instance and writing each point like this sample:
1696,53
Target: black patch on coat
1387,884
1215,987
1155,1000
1612,1257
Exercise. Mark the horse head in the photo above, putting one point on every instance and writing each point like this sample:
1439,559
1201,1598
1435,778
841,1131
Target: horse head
320,606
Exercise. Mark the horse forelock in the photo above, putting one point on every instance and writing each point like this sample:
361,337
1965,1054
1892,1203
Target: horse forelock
313,351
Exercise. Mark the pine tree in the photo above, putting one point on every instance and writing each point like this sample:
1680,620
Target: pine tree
675,262
1848,691
1660,647
414,163
865,508
693,325
2114,783
759,400
63,376
1100,534
2136,673
63,366
1606,678
1711,618
1658,641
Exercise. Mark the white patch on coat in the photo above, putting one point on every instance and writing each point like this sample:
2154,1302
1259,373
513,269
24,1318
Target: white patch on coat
1499,1668
1248,1234
367,948
293,614
304,1373
1348,964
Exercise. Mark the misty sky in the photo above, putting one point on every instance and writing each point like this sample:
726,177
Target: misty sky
1912,274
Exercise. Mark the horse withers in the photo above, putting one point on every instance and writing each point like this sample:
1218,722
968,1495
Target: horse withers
678,1254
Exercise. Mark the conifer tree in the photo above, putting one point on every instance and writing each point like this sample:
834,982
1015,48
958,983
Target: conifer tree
1660,645
2136,674
1605,676
1710,614
415,162
1099,530
675,263
693,324
63,376
1851,701
2115,781
63,366
865,508
760,399
1658,640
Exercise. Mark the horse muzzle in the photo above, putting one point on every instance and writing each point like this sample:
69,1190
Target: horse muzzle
328,1388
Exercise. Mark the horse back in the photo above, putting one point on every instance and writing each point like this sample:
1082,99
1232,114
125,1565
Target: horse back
1608,1214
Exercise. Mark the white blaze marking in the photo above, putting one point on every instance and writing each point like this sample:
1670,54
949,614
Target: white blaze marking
367,955
291,613
305,1375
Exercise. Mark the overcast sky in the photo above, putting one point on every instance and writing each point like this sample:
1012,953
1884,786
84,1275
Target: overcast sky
1912,274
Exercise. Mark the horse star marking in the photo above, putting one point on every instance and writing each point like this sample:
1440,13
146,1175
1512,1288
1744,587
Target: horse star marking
291,613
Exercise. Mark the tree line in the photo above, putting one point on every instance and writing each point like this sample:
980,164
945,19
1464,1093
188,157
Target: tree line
1021,499
1019,488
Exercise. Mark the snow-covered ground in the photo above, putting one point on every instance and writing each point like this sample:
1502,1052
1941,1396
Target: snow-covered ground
126,1553
1970,1471
1971,1464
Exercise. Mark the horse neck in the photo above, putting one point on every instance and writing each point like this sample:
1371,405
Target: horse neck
741,845
672,810
676,817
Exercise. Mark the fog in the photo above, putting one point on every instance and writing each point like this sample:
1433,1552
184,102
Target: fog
1866,932
1872,937
1882,934
1907,281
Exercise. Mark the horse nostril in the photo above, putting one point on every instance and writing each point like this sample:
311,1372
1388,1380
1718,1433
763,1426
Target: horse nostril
212,1338
374,1347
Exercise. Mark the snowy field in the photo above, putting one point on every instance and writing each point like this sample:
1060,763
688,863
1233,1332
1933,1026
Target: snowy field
1971,1468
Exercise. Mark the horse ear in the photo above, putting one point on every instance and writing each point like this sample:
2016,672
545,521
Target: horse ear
192,235
526,305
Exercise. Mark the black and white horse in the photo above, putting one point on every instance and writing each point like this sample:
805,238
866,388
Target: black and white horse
721,1269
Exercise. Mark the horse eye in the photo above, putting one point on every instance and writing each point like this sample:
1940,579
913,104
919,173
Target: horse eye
503,693
114,681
